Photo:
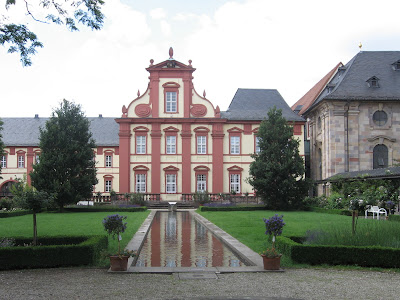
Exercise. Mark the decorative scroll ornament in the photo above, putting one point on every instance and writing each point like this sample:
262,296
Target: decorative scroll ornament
198,110
124,112
143,110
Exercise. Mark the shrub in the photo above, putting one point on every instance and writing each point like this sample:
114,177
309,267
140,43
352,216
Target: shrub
105,208
344,212
232,208
137,199
53,252
6,203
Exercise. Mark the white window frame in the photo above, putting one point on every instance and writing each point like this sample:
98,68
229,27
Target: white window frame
171,102
108,161
170,184
37,158
108,185
21,161
234,183
171,144
201,182
201,144
140,144
140,183
3,161
258,149
235,144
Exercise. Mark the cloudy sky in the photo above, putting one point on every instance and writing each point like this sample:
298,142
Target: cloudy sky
283,45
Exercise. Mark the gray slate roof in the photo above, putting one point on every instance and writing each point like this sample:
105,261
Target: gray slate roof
25,131
392,172
352,85
254,104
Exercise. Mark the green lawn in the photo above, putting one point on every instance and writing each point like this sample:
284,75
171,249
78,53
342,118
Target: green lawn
53,224
248,226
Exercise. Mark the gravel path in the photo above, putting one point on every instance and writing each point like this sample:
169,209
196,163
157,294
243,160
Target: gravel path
292,284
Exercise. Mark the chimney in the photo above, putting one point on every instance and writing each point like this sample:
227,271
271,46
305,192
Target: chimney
36,116
100,116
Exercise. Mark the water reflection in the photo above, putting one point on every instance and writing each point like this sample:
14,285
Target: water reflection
175,239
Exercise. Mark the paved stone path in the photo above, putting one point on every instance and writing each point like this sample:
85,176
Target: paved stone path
89,283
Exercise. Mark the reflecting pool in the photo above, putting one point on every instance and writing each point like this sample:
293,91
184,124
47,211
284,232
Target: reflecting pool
176,239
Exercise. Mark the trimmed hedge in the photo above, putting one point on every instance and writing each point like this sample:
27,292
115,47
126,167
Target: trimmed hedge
14,213
373,256
232,208
59,251
344,212
395,218
83,208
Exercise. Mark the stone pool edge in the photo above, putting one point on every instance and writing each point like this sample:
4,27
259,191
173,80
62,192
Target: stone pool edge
244,252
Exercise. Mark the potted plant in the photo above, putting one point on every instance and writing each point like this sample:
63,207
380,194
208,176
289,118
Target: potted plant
114,225
271,257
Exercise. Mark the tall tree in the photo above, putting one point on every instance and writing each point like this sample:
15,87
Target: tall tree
277,170
66,168
62,12
1,145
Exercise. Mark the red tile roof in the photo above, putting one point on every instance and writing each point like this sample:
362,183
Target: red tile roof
308,99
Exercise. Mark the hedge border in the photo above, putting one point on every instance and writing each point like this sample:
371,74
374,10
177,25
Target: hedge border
102,208
232,208
16,213
372,256
67,251
344,212
395,218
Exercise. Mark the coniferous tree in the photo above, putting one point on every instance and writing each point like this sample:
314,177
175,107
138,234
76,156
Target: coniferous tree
1,144
66,169
276,173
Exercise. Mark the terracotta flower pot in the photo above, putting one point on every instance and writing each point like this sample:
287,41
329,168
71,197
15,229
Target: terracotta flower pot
119,263
271,263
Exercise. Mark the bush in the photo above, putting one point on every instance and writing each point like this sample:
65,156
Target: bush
344,212
372,256
137,199
14,213
6,203
232,208
395,218
106,208
53,252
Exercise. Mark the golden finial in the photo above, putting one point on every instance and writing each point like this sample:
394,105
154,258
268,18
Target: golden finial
360,46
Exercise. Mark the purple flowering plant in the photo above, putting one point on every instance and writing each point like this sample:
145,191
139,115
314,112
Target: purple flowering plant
274,227
114,225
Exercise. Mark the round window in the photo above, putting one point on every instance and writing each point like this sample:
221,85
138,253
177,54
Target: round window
380,118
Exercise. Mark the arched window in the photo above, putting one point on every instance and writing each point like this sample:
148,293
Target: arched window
380,156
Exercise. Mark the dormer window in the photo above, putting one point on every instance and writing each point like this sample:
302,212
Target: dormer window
396,65
329,88
373,82
341,70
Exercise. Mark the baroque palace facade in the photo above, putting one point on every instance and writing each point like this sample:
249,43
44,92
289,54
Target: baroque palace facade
169,141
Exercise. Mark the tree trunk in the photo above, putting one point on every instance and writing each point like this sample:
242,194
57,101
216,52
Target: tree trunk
354,215
34,229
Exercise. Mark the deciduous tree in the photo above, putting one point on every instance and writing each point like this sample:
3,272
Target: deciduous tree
62,12
66,168
276,173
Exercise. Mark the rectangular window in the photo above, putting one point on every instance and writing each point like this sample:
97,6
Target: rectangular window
108,161
235,144
21,161
141,144
37,158
4,161
201,145
140,183
171,183
258,145
108,186
171,144
201,183
235,183
171,102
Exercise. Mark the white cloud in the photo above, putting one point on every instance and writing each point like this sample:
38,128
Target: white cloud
158,13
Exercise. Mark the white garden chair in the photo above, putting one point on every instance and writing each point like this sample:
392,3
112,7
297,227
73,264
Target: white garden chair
375,210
